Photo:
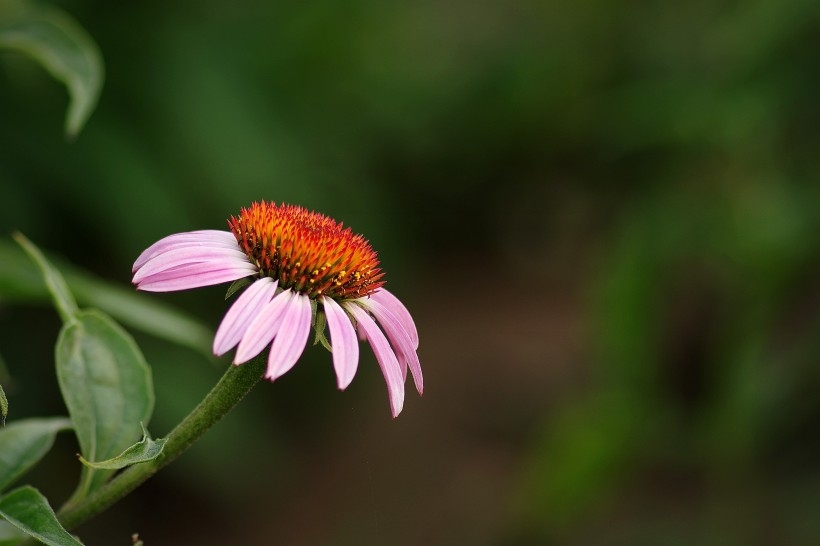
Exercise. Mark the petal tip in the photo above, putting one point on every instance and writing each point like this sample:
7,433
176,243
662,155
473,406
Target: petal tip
343,384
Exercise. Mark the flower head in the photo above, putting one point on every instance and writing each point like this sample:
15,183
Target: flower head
308,271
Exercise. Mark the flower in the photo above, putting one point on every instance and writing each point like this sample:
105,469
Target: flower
307,270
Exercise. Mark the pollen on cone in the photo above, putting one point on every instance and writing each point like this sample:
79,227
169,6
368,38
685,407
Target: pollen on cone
307,251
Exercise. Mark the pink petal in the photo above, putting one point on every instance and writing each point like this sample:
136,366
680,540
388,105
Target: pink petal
194,276
242,312
178,257
344,342
400,311
291,338
263,328
209,237
384,355
399,338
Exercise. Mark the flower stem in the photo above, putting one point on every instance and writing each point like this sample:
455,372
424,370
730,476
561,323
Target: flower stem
231,388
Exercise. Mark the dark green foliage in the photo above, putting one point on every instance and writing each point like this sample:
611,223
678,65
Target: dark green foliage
639,179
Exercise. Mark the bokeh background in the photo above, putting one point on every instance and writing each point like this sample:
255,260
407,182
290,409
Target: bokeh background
603,216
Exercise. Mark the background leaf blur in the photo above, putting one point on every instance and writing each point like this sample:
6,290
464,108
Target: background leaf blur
603,216
61,46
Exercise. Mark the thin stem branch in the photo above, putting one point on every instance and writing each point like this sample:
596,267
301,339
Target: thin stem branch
231,388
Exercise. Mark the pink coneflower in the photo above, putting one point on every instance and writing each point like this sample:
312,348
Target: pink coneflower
308,270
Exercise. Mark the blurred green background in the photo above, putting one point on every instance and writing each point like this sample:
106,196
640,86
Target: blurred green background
603,216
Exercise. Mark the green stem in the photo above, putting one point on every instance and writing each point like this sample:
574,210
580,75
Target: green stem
231,388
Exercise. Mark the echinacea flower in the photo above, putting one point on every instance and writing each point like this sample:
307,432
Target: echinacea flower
307,270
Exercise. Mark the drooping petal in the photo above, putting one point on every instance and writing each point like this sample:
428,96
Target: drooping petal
392,302
194,276
384,356
344,342
399,339
291,338
180,257
208,237
241,314
263,328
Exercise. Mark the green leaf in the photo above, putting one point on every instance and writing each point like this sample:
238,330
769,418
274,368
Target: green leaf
60,293
20,282
107,388
4,406
55,40
237,285
143,451
28,510
9,534
23,443
4,402
319,327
